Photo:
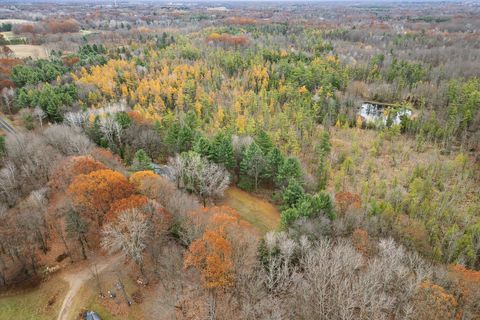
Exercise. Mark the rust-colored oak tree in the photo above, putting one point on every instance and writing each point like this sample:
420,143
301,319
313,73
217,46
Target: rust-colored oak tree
92,194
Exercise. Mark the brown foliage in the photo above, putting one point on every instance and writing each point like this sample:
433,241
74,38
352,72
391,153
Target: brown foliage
138,118
73,166
134,201
228,39
61,26
24,28
467,289
222,219
414,234
93,194
108,158
361,241
347,200
6,65
143,181
434,302
212,256
6,84
70,61
241,20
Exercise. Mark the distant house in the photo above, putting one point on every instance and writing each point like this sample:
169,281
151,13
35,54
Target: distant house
379,113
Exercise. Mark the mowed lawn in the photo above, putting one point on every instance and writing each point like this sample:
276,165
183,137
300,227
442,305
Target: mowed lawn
260,213
41,303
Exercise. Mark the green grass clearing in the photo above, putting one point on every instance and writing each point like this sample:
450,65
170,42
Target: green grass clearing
41,303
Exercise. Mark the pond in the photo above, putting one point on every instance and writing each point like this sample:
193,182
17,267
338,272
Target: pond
378,113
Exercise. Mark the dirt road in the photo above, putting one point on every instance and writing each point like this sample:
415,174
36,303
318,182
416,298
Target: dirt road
76,279
6,126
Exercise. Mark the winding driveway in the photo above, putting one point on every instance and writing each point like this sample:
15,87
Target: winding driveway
77,279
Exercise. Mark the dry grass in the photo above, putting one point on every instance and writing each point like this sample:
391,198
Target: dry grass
16,21
260,213
27,50
41,303
9,35
87,298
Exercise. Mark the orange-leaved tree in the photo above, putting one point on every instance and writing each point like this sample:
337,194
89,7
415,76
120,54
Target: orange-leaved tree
466,286
73,166
140,177
92,194
347,200
131,202
433,302
213,254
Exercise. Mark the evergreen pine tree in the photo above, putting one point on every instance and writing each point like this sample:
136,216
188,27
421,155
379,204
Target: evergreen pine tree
253,163
292,193
264,142
324,150
290,169
275,160
141,161
203,147
325,145
94,132
222,150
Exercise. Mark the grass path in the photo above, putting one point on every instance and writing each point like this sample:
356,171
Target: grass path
259,212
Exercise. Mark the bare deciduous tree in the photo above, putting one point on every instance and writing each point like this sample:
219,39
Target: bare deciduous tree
196,174
67,140
130,235
39,114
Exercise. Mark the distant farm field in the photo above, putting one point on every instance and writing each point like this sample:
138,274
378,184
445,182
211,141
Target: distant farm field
9,36
15,21
26,50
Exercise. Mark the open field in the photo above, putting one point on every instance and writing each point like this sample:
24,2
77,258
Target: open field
15,21
260,213
42,303
9,35
27,50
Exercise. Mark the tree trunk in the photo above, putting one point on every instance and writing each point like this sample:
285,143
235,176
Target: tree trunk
142,272
64,241
82,246
122,288
211,305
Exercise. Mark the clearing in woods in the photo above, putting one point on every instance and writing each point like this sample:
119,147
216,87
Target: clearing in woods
260,213
41,303
27,50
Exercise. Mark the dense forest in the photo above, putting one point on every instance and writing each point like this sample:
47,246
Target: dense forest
129,145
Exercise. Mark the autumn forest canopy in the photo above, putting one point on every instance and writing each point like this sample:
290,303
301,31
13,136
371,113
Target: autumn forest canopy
245,161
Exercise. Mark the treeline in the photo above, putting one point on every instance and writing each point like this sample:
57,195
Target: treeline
47,26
